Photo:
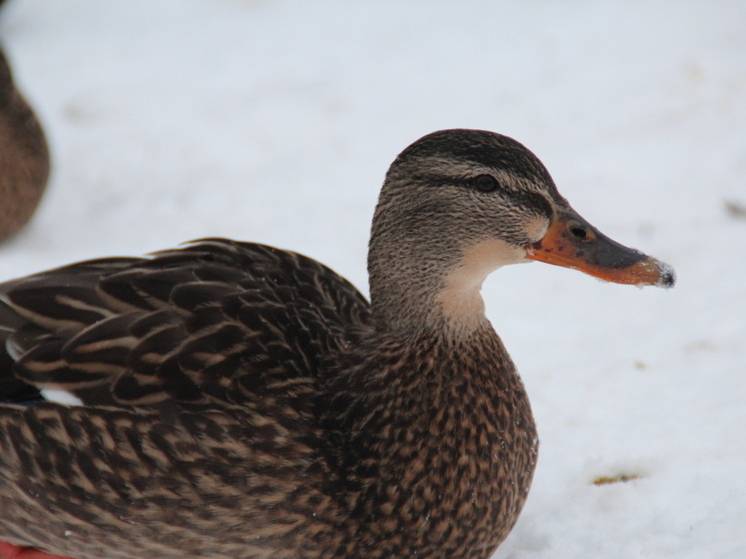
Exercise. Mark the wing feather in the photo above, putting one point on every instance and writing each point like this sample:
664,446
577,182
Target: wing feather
215,322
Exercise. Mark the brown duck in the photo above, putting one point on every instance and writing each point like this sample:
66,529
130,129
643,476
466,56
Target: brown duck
234,400
24,157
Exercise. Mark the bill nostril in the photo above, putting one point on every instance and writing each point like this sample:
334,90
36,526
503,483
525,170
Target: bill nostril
578,231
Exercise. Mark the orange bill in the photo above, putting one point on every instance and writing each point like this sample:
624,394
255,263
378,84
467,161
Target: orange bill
572,242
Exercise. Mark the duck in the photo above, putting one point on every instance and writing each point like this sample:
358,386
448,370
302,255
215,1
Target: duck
227,399
24,156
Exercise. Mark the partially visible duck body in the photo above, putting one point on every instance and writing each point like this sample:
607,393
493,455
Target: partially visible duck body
235,400
24,156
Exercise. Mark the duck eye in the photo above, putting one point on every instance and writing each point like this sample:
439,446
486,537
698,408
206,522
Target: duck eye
485,183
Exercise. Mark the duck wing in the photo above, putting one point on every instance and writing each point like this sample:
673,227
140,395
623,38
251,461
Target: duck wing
215,322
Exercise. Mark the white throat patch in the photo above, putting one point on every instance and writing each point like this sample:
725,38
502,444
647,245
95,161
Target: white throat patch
460,298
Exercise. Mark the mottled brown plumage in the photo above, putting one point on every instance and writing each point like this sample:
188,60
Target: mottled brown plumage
24,157
232,400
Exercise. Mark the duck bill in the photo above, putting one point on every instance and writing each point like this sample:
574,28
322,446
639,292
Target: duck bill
572,242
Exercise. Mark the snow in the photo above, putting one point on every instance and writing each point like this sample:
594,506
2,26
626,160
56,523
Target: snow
275,122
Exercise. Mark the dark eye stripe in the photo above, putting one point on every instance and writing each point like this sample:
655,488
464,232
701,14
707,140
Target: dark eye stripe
534,202
531,201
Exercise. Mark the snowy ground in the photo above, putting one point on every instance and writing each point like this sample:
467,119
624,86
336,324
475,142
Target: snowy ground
275,121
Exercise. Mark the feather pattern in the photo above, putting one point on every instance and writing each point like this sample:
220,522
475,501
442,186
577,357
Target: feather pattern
206,325
233,400
196,369
228,380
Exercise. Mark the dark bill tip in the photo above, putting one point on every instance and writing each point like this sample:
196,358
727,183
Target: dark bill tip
667,275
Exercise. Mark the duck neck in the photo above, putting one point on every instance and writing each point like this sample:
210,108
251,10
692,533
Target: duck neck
411,290
407,297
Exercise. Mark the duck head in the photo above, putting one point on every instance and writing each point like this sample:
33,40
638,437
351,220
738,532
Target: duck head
456,205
